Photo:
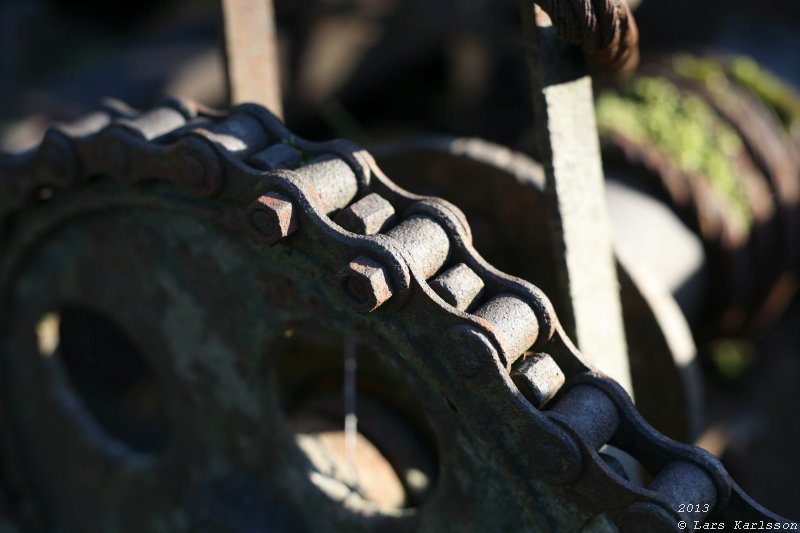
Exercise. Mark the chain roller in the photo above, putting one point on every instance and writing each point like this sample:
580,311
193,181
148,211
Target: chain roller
393,247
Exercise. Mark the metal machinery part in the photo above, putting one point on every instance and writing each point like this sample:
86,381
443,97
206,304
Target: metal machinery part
502,194
570,156
251,51
204,237
745,209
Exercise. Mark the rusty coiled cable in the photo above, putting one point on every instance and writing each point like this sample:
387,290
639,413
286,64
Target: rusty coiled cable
605,29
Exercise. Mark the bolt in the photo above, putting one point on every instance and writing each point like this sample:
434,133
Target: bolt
273,217
365,284
459,286
368,216
276,156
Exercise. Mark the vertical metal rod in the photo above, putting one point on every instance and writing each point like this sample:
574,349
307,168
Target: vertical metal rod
350,394
569,150
251,51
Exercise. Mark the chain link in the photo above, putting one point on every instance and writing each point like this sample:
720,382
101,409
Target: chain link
402,246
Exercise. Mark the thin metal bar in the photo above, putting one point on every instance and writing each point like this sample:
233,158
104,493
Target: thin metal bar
350,398
569,150
251,51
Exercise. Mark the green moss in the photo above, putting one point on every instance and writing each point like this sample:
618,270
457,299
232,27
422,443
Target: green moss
652,111
732,358
776,94
716,76
702,69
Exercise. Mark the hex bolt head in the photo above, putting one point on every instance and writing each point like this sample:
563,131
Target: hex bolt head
273,216
367,216
365,284
459,286
277,156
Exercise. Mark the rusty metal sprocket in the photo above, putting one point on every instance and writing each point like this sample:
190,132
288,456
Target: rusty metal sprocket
162,221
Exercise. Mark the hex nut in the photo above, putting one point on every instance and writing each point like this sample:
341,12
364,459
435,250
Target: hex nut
273,216
459,286
277,156
365,284
367,216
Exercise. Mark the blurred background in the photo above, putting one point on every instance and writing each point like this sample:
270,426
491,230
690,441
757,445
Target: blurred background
701,148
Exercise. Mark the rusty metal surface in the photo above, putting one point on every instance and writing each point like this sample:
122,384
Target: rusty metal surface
251,53
570,155
137,229
606,30
502,194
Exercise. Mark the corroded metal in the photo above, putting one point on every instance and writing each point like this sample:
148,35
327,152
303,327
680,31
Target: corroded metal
502,194
539,378
365,284
251,51
367,216
273,216
168,254
459,286
569,151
